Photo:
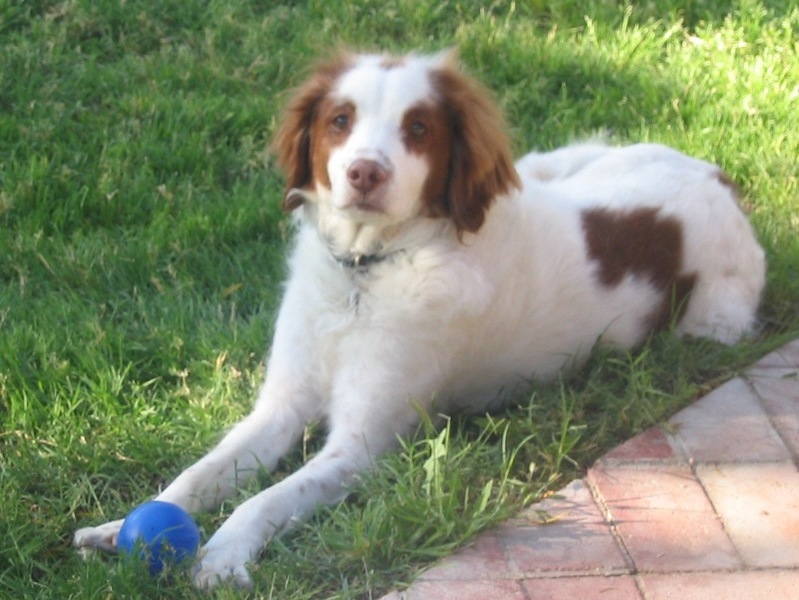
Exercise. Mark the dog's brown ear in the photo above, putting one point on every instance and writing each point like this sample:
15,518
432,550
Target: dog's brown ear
292,139
481,164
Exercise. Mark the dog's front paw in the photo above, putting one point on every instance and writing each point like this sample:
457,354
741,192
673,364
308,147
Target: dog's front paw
222,564
103,537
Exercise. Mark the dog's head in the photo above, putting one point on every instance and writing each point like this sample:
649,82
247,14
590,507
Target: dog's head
381,140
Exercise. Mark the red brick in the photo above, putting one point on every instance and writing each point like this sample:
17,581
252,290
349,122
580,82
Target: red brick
728,425
779,394
654,444
664,518
785,357
460,590
582,588
751,585
576,538
759,506
485,559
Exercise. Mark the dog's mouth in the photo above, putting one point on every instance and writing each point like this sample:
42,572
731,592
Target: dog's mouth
365,204
372,202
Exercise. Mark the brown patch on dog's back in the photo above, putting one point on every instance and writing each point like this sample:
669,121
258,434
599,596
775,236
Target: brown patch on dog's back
635,242
642,244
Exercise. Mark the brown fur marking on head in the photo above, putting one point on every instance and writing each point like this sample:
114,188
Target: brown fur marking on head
426,132
292,140
480,162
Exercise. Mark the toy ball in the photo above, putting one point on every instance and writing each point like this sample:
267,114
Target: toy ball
159,533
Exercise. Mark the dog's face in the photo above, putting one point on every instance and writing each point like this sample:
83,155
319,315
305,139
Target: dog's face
377,141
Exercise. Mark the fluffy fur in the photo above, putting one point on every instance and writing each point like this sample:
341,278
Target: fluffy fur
431,273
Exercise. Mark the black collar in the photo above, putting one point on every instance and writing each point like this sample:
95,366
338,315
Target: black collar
360,262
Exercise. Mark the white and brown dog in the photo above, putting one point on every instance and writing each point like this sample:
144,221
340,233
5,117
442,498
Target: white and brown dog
432,273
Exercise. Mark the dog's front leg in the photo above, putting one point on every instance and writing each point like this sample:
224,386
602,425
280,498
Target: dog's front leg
288,400
239,540
258,441
359,433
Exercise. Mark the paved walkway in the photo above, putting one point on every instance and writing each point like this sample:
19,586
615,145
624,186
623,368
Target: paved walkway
705,508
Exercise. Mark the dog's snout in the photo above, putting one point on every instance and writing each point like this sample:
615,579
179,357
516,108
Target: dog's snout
366,175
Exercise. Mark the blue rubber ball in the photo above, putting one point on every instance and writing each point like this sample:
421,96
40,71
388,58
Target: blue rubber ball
159,533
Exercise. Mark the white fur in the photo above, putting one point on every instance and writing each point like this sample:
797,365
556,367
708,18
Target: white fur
445,323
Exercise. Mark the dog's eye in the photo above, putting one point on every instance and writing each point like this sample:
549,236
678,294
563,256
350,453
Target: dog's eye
418,129
341,122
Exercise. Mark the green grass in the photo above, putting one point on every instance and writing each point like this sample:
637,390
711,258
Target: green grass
141,255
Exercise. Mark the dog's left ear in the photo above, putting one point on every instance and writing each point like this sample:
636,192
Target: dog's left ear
481,164
292,139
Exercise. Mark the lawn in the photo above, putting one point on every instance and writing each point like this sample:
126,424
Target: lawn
141,257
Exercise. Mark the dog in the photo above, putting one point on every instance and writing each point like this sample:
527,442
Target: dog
431,274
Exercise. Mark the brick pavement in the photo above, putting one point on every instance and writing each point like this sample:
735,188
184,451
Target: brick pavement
706,507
